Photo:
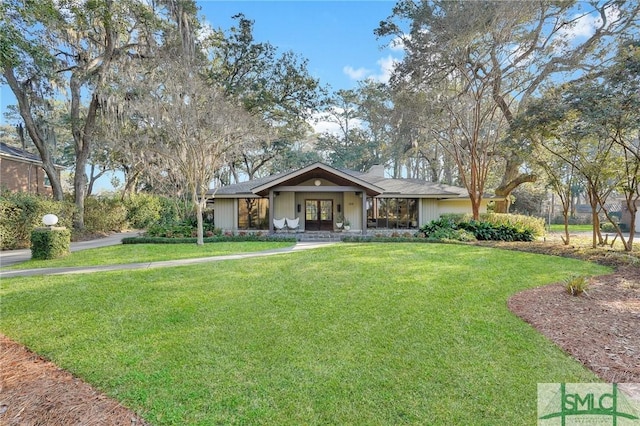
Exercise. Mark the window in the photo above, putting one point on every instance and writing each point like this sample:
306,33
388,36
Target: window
392,213
253,213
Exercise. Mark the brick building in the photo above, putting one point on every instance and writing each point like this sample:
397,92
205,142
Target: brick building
21,171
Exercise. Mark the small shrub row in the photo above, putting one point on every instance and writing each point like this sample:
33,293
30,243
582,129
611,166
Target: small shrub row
214,239
501,229
183,229
535,225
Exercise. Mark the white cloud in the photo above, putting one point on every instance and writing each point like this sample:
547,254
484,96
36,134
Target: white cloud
585,25
397,44
355,74
386,67
322,125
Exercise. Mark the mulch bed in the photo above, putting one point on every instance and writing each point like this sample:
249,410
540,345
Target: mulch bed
34,391
601,329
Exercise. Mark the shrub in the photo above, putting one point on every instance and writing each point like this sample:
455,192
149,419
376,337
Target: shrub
21,213
104,214
576,285
144,210
496,228
180,230
535,225
50,243
214,239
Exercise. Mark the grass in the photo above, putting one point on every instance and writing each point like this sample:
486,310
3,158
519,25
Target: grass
139,253
554,227
349,334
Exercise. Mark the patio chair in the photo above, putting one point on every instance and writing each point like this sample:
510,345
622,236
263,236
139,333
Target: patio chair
279,224
293,223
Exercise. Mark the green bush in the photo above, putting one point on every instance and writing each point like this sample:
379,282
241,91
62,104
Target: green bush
494,227
143,210
535,225
214,239
576,285
21,213
104,214
50,243
184,229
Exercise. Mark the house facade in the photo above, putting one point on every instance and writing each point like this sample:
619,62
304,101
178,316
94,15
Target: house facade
321,197
22,171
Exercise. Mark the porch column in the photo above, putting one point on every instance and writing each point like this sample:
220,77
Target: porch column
364,213
271,209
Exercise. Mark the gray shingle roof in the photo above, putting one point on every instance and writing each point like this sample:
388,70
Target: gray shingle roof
392,187
18,153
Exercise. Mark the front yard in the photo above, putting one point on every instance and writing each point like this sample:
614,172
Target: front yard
348,334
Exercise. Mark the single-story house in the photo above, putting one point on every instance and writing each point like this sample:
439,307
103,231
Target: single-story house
626,216
320,196
22,171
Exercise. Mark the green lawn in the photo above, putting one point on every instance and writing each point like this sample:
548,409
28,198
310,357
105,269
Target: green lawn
572,228
369,334
139,253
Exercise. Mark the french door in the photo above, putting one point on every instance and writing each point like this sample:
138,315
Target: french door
318,215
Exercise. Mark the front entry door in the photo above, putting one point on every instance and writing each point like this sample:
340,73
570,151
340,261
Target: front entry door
318,215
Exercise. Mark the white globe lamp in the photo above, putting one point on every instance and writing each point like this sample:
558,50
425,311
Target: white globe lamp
49,219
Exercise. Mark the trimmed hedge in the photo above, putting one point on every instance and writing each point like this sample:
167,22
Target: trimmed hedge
50,243
216,239
21,213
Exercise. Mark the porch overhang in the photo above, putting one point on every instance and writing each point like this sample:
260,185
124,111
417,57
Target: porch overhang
318,171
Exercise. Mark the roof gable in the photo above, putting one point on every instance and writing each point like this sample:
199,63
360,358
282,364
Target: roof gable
318,171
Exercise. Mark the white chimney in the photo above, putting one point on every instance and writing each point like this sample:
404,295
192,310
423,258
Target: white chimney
377,170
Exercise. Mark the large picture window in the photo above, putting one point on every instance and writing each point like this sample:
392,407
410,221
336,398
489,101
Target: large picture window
392,213
253,213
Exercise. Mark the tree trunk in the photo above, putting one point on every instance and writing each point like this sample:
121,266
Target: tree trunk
510,181
565,215
199,209
82,133
36,135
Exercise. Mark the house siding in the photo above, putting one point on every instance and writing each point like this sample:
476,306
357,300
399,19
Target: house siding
285,206
428,211
462,206
353,210
226,214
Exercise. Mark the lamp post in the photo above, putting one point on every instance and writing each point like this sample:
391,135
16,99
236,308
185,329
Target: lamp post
49,220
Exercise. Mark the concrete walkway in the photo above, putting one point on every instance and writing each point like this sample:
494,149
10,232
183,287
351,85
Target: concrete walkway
16,256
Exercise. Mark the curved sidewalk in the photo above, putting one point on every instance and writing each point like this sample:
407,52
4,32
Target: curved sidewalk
161,264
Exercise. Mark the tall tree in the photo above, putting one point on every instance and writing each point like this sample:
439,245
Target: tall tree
274,86
352,145
510,49
69,49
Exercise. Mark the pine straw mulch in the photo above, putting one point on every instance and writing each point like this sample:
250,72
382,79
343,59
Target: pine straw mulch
600,329
34,391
